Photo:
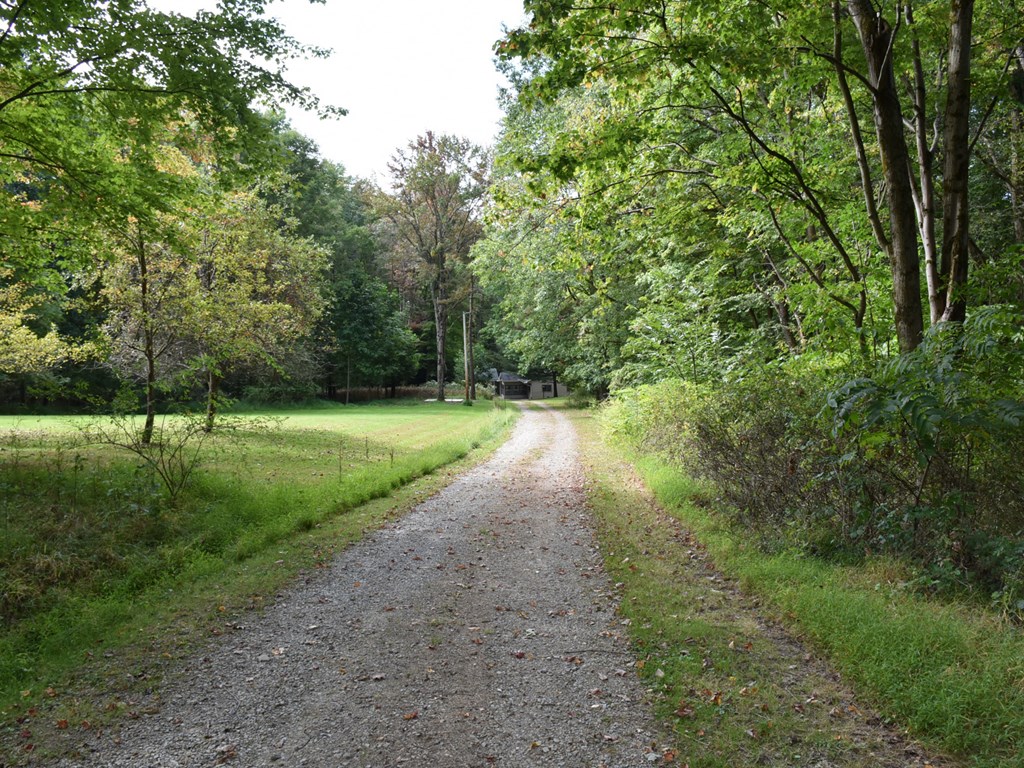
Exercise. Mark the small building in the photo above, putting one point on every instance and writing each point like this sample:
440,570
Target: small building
512,386
542,390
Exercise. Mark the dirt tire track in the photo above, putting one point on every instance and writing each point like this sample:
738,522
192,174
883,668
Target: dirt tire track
479,630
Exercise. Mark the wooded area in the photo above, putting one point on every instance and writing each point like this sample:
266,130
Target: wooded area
781,244
171,241
787,238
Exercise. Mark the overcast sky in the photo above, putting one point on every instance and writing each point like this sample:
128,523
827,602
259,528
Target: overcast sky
400,67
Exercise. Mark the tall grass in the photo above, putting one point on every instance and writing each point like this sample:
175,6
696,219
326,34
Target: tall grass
952,674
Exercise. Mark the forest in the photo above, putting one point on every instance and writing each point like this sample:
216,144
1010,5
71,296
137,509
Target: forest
785,242
777,246
786,239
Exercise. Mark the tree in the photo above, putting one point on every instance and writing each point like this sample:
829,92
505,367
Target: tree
771,79
363,334
197,297
85,86
438,191
253,290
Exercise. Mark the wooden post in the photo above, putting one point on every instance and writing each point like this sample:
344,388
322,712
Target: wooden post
472,362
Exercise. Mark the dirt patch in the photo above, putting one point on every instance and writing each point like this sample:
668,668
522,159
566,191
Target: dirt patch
478,630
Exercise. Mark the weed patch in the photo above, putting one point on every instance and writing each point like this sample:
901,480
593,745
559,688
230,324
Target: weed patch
948,673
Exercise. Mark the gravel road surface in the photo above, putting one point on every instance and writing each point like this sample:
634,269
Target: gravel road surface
479,630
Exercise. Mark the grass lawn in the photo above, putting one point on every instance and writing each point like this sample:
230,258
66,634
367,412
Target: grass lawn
97,562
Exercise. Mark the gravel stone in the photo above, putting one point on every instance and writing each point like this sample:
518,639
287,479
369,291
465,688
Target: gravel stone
478,630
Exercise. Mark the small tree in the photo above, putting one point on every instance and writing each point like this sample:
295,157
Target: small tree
253,290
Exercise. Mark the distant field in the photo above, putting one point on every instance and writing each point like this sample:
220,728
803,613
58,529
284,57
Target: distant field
90,537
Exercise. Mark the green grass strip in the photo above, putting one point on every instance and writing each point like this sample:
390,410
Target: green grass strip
954,676
137,569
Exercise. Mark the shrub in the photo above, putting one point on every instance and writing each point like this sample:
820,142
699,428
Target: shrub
920,459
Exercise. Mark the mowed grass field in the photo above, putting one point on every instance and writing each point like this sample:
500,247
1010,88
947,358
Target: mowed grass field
96,553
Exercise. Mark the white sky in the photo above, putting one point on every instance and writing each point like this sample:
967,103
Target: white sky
400,68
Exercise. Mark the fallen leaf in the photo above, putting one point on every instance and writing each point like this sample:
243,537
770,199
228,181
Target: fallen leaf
685,710
62,724
410,715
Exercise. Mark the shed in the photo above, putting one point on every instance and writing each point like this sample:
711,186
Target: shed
510,386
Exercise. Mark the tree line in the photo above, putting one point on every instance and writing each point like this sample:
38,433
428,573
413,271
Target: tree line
170,239
788,239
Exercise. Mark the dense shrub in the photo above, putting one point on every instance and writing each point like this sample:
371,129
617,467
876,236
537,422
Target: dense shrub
920,459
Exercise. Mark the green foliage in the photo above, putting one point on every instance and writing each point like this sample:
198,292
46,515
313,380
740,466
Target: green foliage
932,442
918,461
945,671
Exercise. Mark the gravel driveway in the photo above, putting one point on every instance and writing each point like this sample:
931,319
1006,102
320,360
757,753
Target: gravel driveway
479,630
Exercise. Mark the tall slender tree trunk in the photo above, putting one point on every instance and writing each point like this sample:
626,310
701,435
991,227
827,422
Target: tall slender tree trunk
926,179
148,338
955,214
878,40
149,352
212,390
440,331
472,362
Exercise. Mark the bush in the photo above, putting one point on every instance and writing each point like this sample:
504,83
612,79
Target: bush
919,460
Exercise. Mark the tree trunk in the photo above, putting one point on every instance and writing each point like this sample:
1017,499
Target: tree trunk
878,40
148,340
348,377
212,388
465,352
440,332
554,383
957,140
926,181
472,362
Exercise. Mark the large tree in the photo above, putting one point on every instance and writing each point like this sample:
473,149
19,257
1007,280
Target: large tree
434,207
767,84
88,93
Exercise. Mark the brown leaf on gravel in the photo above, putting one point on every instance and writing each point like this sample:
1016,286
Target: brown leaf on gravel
410,715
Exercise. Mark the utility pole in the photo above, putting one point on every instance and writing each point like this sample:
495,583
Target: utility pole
472,362
465,349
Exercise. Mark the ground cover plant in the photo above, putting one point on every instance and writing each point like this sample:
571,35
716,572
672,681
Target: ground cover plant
90,538
944,670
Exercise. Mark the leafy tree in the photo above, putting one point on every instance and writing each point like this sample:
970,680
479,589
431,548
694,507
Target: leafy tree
253,291
85,86
434,209
766,85
364,333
